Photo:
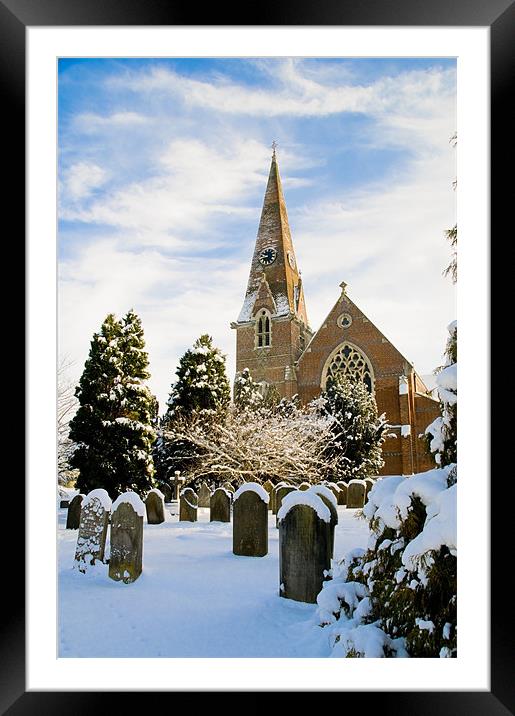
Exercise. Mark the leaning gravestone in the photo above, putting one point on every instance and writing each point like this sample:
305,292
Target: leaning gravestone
73,516
220,505
355,494
279,497
94,518
204,495
304,486
342,497
250,520
126,560
188,505
155,504
328,498
304,546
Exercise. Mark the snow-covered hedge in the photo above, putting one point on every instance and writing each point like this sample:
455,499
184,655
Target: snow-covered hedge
398,597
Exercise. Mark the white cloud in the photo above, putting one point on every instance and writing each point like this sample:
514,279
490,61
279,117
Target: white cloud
81,179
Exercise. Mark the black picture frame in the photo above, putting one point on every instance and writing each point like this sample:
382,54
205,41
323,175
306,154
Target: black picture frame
499,16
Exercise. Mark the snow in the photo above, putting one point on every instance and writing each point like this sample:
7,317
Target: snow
403,385
405,431
133,499
158,493
194,597
305,497
252,487
248,304
325,491
101,495
424,625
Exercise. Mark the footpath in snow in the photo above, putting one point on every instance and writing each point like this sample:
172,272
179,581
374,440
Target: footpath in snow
194,597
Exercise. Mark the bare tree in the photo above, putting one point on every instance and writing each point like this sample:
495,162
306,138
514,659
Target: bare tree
66,406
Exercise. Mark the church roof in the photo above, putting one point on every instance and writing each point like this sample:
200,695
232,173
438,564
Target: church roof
282,274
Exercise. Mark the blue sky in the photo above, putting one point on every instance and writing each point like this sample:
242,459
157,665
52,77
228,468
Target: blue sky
162,170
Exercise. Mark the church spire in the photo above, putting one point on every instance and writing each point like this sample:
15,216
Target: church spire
274,255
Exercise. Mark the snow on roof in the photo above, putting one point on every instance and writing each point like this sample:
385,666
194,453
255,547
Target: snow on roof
252,487
248,304
101,495
133,499
304,497
325,491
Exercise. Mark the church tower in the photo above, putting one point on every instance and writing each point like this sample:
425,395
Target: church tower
272,329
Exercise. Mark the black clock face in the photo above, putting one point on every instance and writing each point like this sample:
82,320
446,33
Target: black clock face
268,256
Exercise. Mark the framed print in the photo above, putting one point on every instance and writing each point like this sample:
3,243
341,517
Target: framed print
84,64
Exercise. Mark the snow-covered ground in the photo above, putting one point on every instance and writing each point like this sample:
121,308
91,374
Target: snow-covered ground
194,598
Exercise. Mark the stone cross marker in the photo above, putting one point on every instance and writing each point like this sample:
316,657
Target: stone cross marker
204,495
280,494
155,505
355,494
220,506
327,497
250,521
342,497
73,515
177,482
94,518
188,506
304,546
126,560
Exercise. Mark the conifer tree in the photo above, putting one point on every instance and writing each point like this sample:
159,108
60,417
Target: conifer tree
357,431
114,427
202,383
247,395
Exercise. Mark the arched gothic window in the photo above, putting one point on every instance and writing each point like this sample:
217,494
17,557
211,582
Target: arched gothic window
263,329
349,361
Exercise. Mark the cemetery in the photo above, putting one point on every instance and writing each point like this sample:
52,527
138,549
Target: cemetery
155,578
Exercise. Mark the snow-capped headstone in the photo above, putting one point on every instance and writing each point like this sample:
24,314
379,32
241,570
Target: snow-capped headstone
304,547
369,484
279,497
220,505
342,497
304,486
250,521
94,519
167,491
325,492
273,496
126,559
155,505
335,489
204,495
269,487
73,515
356,493
188,505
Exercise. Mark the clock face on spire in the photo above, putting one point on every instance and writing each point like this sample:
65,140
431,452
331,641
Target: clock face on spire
267,256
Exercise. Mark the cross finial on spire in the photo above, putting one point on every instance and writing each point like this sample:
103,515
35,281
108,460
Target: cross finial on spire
274,145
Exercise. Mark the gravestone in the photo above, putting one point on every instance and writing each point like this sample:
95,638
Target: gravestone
155,504
250,521
126,560
279,497
326,495
229,487
167,491
73,515
204,495
335,489
342,497
220,505
304,546
269,487
355,494
188,505
273,496
304,486
369,484
94,518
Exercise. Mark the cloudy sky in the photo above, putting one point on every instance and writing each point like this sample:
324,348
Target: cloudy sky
162,171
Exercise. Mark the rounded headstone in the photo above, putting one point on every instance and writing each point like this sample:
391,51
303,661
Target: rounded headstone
188,505
273,496
369,484
334,488
155,505
269,487
250,525
94,519
342,497
279,497
167,491
319,490
304,553
356,494
304,486
220,506
126,559
73,515
204,495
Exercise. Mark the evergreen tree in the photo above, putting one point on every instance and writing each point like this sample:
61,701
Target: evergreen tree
357,431
202,381
114,427
247,395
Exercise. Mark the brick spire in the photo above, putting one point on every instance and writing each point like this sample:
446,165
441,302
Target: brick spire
274,256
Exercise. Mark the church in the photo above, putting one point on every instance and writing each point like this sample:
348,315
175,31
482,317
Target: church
275,342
